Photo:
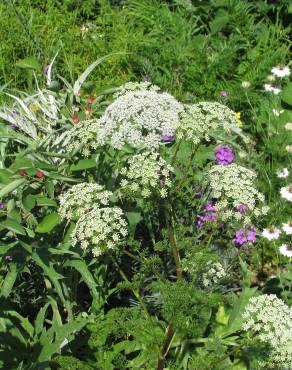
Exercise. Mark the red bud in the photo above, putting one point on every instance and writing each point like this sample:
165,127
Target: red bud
75,119
90,100
22,173
40,174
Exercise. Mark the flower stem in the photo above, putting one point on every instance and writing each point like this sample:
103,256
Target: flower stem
170,329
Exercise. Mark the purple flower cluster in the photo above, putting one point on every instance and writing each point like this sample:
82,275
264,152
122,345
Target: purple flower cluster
167,138
244,236
210,215
224,155
242,208
2,205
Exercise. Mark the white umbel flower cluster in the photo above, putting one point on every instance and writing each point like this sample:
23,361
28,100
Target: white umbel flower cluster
234,185
81,198
83,137
135,86
146,174
214,274
101,229
268,319
199,120
139,118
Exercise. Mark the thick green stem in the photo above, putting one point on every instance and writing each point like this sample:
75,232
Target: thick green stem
170,329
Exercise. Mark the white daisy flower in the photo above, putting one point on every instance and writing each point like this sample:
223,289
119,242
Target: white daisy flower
271,234
287,228
286,250
281,71
277,112
286,192
288,126
282,174
270,88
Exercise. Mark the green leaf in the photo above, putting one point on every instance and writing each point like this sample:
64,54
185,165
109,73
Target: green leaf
24,322
9,280
44,201
235,319
13,226
83,164
57,176
28,63
29,202
63,335
287,94
40,319
48,223
134,218
5,176
50,188
50,272
81,79
82,268
11,187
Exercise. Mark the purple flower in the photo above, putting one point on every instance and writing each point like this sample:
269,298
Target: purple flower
167,138
13,126
224,155
210,215
8,258
224,93
2,205
243,236
210,207
242,208
46,69
251,235
240,238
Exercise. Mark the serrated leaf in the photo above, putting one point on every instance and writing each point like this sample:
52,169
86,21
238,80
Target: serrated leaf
82,268
48,223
